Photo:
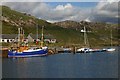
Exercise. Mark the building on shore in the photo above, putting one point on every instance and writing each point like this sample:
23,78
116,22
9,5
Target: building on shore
47,38
9,38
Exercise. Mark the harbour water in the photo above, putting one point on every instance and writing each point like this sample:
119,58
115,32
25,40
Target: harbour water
63,65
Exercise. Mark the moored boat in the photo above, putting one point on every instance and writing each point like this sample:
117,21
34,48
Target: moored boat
24,51
28,53
86,48
83,50
110,49
89,50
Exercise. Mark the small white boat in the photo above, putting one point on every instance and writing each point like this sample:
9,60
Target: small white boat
110,49
84,50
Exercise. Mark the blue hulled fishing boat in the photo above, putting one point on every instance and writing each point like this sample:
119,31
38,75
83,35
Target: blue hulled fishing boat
28,52
24,50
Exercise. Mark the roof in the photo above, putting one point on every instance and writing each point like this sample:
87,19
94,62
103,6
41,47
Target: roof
9,36
34,36
15,36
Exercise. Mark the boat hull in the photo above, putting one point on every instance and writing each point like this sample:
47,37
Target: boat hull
88,50
27,54
111,49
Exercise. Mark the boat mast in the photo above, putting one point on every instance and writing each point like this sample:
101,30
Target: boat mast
111,37
18,37
42,37
22,35
37,33
86,43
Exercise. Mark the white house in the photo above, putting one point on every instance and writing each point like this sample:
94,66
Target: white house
7,38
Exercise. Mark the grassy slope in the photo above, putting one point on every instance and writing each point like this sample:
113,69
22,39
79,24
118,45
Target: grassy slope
64,36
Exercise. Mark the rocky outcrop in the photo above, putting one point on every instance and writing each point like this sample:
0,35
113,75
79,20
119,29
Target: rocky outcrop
19,22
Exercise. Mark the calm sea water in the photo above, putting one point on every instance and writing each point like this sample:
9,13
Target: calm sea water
65,65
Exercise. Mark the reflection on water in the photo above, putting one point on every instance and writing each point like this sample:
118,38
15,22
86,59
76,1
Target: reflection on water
89,65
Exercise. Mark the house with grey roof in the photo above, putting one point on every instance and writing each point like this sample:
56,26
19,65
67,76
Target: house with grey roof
47,38
7,38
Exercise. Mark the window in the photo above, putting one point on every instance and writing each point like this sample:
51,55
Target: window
3,40
8,40
34,40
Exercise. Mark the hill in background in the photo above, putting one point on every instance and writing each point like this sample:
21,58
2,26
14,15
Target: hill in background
66,32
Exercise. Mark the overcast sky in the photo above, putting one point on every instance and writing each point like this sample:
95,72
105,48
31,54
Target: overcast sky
100,11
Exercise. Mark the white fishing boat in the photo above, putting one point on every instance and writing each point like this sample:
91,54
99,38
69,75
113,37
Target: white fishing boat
110,49
86,48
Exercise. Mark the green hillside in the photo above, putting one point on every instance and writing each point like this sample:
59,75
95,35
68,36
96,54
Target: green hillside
99,35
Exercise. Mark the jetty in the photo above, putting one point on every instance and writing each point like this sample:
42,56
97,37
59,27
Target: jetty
61,50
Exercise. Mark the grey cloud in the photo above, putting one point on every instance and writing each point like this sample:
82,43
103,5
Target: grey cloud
103,12
106,12
45,11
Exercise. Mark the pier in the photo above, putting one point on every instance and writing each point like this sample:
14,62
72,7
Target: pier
61,50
